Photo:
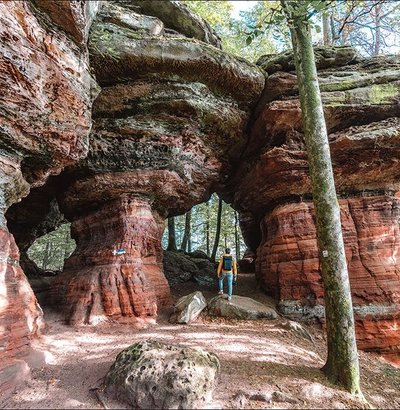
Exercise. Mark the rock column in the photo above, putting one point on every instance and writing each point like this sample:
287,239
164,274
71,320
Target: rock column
116,269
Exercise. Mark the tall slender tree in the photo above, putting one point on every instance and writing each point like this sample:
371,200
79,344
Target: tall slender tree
207,225
171,235
186,234
218,231
237,245
342,362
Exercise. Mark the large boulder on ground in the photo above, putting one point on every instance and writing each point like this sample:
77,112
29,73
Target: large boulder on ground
155,375
188,308
180,267
240,308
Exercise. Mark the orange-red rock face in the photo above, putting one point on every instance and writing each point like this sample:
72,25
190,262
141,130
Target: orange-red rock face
45,119
288,264
20,317
96,284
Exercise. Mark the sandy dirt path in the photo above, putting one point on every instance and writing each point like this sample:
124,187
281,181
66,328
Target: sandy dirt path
256,357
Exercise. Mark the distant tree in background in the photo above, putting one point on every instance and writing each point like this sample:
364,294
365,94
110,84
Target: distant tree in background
171,235
218,230
233,32
49,251
371,26
186,240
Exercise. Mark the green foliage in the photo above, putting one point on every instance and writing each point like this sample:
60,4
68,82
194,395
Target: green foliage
200,214
234,33
50,251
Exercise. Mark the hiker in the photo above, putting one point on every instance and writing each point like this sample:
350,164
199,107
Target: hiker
226,269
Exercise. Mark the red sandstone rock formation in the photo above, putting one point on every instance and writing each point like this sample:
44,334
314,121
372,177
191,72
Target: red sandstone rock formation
361,103
44,124
98,283
161,142
288,264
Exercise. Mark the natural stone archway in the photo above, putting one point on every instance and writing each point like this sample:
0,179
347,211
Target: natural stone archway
162,143
98,283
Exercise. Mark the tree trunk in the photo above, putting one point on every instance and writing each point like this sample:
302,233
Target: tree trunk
334,36
326,29
208,230
377,19
46,255
342,361
218,232
186,235
237,247
171,235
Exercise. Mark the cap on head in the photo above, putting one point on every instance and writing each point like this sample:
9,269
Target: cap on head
227,250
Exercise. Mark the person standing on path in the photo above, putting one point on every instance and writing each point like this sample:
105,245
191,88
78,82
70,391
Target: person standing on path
227,269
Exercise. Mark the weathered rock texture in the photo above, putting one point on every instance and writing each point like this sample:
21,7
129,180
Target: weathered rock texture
155,375
97,284
45,120
289,264
362,110
188,308
169,119
240,307
170,127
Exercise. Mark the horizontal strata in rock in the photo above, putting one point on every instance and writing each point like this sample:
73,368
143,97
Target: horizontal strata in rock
167,140
98,284
118,54
45,89
352,95
325,57
364,158
288,261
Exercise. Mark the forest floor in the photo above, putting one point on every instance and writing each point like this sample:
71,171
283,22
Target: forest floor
256,357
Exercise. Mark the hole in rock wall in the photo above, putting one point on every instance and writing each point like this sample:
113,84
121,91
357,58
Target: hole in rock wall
46,260
188,253
50,251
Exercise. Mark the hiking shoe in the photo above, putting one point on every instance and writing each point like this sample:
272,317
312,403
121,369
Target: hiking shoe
229,298
221,292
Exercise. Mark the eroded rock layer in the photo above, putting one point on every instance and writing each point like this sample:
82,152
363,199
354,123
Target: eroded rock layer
116,269
288,263
272,188
45,120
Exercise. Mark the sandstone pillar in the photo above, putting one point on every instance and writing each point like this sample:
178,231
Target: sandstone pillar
116,270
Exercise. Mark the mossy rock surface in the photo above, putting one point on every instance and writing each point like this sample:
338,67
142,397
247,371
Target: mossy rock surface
155,375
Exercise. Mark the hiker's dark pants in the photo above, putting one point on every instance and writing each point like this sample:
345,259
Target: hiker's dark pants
229,278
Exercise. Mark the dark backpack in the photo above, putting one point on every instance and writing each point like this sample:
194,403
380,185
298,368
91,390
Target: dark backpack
227,263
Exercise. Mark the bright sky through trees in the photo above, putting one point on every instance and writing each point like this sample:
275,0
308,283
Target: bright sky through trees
239,6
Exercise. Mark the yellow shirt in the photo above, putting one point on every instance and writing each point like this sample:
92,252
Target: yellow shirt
234,267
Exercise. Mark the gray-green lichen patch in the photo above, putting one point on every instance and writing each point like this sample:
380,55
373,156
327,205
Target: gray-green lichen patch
151,374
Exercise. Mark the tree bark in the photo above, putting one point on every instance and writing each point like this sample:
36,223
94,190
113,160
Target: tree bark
186,234
326,29
377,20
218,231
171,235
208,229
342,361
237,247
